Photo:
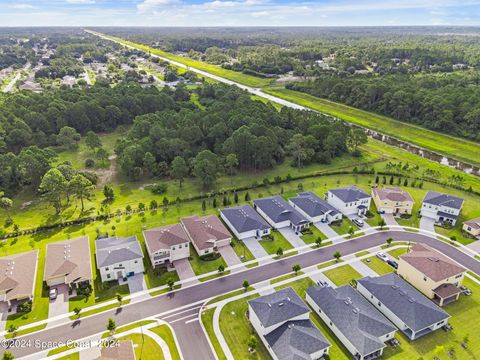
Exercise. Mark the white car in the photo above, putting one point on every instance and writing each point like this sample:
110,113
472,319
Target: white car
53,293
382,256
359,222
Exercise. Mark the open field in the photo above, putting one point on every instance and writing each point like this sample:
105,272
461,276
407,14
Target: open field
457,148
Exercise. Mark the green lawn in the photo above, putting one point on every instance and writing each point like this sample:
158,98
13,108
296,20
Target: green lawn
207,320
236,329
342,275
362,253
271,246
342,227
158,276
241,250
377,265
145,347
166,334
337,350
74,356
397,252
457,148
375,217
300,286
203,266
128,327
328,263
311,235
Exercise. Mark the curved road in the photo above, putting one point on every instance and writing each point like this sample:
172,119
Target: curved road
202,291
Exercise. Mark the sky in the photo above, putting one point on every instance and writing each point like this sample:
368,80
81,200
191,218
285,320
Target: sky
238,12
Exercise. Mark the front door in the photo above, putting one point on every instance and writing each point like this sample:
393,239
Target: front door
119,274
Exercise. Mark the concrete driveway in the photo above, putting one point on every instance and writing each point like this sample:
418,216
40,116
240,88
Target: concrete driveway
325,229
184,270
59,306
363,269
389,219
136,283
3,314
292,238
230,256
256,249
427,224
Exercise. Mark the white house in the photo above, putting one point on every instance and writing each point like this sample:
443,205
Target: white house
349,200
407,308
167,244
442,208
280,214
245,222
315,209
118,258
280,319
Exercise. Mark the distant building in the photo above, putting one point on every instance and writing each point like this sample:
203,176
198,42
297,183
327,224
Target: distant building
245,222
314,208
431,272
167,244
282,320
207,233
472,227
407,308
349,200
442,208
392,200
280,214
118,258
17,276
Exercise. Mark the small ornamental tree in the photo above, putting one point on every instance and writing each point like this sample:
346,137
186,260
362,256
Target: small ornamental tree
245,285
111,325
296,268
389,241
337,255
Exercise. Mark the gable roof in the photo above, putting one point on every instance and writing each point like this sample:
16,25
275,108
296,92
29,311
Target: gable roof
406,302
277,209
70,258
243,218
296,340
278,307
17,274
358,320
205,231
312,205
474,223
440,199
431,263
349,193
114,250
123,350
392,194
164,237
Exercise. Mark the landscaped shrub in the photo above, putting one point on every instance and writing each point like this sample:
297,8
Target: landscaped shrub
159,188
210,257
89,163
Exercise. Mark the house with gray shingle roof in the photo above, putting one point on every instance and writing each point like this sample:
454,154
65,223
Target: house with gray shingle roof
245,222
282,320
361,328
443,208
280,214
349,200
315,209
407,308
118,257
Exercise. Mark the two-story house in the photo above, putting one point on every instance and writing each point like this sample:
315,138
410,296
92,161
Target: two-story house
280,320
443,208
349,200
167,244
392,200
472,227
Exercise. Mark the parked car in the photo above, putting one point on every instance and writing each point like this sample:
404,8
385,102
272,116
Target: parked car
465,290
392,263
382,256
359,222
321,283
53,293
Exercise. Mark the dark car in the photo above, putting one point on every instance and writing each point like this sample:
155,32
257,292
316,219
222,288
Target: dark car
392,263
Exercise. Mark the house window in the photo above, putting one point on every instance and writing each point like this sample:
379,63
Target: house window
136,261
108,276
424,278
331,323
106,269
379,303
173,247
179,246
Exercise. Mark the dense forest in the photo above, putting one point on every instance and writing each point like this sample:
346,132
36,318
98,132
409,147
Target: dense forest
448,103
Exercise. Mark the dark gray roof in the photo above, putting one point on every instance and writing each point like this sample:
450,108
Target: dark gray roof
353,315
440,199
278,307
296,340
312,205
349,194
115,250
279,210
406,302
243,218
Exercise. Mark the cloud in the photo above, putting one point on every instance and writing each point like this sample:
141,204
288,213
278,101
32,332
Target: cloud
80,2
21,6
155,5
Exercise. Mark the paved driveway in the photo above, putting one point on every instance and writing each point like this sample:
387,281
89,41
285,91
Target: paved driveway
427,223
230,256
59,306
3,314
363,269
184,269
136,283
256,249
325,229
389,219
475,246
292,238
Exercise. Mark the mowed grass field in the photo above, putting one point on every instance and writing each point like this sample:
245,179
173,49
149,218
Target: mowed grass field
239,77
456,148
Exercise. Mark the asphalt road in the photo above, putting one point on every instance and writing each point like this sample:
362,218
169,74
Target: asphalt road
157,305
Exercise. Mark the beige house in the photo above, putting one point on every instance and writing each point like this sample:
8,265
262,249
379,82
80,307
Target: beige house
17,276
392,200
432,273
472,227
68,262
207,233
167,244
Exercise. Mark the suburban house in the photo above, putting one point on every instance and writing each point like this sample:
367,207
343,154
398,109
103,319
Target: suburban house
361,328
315,209
167,244
282,320
17,276
245,222
432,273
123,350
68,262
349,200
280,214
402,304
442,208
392,200
118,257
472,227
207,233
